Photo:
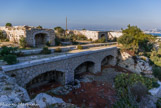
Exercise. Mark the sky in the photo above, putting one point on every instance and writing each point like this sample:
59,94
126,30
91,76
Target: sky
89,14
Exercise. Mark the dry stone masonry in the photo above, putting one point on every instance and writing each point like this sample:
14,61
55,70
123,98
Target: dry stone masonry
34,36
65,66
95,35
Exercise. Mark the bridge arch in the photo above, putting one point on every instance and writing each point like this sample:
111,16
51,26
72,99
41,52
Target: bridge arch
40,38
87,66
56,77
107,60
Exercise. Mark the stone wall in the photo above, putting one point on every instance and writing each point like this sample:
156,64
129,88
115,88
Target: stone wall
27,71
94,35
16,32
112,35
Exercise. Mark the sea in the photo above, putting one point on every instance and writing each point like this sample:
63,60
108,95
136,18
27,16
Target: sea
156,34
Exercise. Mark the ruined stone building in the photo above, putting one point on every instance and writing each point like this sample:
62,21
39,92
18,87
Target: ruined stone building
34,36
95,35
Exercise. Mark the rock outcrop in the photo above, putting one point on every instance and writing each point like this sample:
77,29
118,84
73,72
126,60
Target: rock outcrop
135,64
10,92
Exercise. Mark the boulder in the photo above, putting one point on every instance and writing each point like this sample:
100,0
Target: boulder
42,100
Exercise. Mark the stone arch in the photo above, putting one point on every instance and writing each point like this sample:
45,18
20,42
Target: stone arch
40,38
87,66
108,60
57,77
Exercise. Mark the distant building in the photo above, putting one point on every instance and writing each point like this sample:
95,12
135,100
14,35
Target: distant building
34,36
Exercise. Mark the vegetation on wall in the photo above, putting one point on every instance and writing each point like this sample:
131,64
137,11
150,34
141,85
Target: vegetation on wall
23,42
3,37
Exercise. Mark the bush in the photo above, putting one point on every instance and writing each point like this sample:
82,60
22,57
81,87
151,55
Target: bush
81,37
39,27
158,104
8,50
79,47
58,50
101,40
23,42
10,59
48,43
126,101
157,72
138,90
122,81
133,38
46,50
57,41
8,25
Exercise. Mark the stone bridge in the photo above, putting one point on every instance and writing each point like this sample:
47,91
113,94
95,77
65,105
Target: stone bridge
63,68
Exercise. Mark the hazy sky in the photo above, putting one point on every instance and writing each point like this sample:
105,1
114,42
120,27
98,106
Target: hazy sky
95,14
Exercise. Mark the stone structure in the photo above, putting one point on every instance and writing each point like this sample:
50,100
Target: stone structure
62,68
94,35
34,36
112,35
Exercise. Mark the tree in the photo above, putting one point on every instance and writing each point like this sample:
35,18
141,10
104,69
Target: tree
133,38
8,25
59,30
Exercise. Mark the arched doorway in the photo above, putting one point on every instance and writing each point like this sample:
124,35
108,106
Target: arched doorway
41,39
102,35
107,60
54,77
82,68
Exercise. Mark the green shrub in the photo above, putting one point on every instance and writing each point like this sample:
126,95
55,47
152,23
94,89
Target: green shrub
157,72
101,40
48,43
46,50
8,25
79,47
124,80
8,50
10,59
133,38
57,41
126,101
155,84
158,103
81,37
58,50
138,90
39,27
23,42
